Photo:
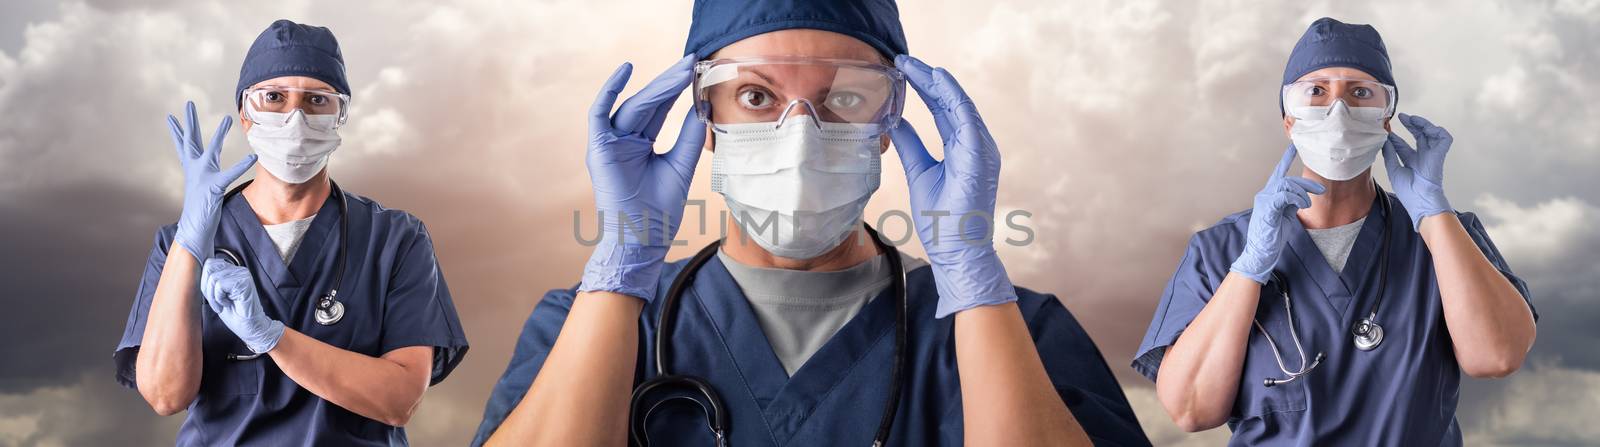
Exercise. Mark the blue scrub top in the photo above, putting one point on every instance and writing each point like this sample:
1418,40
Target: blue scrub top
837,396
1404,392
394,296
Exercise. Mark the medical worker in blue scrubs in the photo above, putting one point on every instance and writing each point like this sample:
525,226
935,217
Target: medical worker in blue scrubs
1335,312
797,327
287,311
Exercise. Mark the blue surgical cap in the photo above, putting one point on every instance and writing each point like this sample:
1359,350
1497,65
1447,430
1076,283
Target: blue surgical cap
291,49
1331,43
717,23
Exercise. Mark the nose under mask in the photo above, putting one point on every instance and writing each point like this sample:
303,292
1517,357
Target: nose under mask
1341,145
797,188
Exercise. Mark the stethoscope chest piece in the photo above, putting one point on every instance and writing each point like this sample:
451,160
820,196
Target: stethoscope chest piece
329,310
1368,334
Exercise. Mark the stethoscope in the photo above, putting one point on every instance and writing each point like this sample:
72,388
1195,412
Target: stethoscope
329,309
704,395
1367,334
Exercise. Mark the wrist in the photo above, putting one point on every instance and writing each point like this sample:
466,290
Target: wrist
271,333
632,270
1432,225
969,278
1251,274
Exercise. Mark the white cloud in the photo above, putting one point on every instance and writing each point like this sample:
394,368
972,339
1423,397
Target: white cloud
1553,238
1545,406
92,410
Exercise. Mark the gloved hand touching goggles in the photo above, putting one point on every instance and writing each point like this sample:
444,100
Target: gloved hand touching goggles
1313,98
772,89
273,106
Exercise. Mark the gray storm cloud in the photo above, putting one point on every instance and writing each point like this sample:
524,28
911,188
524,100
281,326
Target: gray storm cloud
1125,125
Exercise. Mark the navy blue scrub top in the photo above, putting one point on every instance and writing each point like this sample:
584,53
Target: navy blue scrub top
837,396
394,296
1402,393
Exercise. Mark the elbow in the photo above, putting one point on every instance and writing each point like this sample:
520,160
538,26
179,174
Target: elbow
165,402
1191,422
1189,415
396,420
1492,366
168,405
1494,363
399,415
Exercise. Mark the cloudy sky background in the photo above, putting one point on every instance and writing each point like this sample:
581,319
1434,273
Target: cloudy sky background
1126,126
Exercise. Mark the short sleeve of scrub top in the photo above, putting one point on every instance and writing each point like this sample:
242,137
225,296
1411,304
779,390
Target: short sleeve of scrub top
419,311
1089,389
1192,284
1475,229
533,346
133,332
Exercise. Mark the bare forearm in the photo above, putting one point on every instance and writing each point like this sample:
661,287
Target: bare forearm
581,394
1489,322
1006,396
1199,375
167,367
385,389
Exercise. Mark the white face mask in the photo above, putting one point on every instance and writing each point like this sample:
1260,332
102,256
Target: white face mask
1342,145
796,190
294,151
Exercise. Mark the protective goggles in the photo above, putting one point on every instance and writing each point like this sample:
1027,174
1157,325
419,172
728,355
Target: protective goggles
1313,98
771,89
272,106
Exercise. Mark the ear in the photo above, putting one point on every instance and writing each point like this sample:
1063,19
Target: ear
883,142
1288,123
244,124
1386,125
711,143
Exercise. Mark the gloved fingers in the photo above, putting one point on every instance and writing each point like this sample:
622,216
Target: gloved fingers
1438,139
1391,157
1295,197
652,129
914,155
638,111
1428,135
215,149
1283,164
193,129
233,173
970,132
184,152
181,140
600,111
211,293
1408,155
210,287
685,154
1307,185
1417,130
920,76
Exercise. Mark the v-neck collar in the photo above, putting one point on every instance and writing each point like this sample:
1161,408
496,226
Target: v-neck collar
1340,288
298,270
787,401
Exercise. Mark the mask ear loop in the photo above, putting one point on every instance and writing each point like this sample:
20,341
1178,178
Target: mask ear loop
790,107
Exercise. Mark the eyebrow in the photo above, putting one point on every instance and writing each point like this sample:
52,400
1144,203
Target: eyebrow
766,78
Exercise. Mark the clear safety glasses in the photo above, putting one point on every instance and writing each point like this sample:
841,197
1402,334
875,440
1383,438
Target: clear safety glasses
1313,98
772,89
271,106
